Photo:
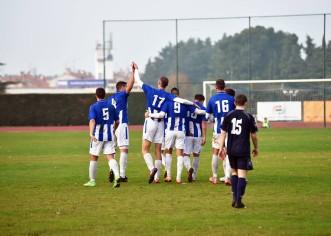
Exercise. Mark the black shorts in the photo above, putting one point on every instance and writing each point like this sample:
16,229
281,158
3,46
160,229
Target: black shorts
239,162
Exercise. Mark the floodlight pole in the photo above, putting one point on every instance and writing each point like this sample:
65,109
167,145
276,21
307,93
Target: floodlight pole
324,71
176,21
104,52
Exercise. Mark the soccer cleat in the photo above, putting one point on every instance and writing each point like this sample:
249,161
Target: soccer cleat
222,179
178,181
125,179
239,205
157,181
167,179
117,183
233,203
151,175
90,184
189,175
227,182
111,176
213,180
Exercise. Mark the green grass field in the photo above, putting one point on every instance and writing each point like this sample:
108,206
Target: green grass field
42,193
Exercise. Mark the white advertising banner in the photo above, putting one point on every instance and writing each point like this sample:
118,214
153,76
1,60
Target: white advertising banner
279,111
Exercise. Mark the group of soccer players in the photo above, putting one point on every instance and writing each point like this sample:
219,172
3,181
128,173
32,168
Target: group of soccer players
173,122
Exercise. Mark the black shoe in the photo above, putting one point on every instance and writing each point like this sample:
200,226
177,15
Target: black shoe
189,175
233,203
239,205
125,179
151,175
111,176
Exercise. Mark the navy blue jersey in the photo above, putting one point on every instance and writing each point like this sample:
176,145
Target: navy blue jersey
156,98
120,101
220,105
105,116
239,125
176,115
194,121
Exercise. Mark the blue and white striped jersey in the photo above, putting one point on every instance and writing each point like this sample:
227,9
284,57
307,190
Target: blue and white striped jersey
105,116
220,105
176,115
194,121
120,101
156,98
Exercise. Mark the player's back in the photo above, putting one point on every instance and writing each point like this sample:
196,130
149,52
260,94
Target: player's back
176,115
156,98
104,115
120,101
220,105
239,124
194,121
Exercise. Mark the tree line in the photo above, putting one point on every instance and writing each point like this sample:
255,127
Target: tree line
256,54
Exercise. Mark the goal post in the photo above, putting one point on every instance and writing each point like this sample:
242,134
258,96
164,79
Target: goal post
285,103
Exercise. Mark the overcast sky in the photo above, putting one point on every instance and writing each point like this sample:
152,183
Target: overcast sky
49,35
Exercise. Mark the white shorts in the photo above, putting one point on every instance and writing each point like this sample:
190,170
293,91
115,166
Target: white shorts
107,146
192,145
122,135
174,139
216,140
153,130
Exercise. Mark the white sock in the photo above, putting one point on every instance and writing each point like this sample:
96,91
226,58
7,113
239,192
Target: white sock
93,170
168,164
123,163
180,164
113,165
224,166
214,165
149,161
228,168
158,165
187,162
163,159
196,163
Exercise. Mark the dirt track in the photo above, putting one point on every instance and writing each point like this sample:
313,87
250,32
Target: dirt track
54,128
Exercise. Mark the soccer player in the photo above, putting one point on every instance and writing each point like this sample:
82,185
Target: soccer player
103,119
175,134
240,126
154,128
226,164
218,106
196,130
120,101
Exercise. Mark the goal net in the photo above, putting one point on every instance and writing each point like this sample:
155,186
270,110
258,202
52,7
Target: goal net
285,103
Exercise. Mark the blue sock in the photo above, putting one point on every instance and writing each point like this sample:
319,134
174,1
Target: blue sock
240,189
234,183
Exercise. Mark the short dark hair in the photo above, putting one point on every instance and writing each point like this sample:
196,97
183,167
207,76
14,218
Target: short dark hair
120,84
175,91
240,99
199,97
220,84
230,91
100,93
164,81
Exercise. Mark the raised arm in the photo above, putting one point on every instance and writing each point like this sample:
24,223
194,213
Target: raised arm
131,81
137,77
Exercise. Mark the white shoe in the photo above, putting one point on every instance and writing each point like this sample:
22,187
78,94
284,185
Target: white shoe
222,179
